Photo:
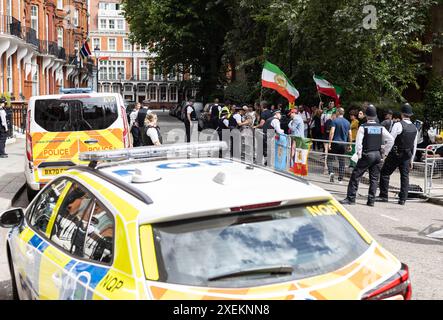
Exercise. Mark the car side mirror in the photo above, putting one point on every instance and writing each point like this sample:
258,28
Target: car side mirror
12,218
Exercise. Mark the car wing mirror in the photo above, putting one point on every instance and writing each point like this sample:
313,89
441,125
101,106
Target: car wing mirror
12,218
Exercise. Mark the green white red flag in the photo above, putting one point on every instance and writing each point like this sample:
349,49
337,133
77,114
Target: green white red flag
299,156
328,89
273,78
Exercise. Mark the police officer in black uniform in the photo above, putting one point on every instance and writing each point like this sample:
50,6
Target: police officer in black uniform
371,136
401,155
3,128
190,118
141,117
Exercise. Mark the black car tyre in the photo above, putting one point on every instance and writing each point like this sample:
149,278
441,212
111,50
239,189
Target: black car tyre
15,295
30,193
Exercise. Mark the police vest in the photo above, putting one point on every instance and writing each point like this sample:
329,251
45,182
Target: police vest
149,141
221,125
373,137
193,114
268,124
232,122
214,111
405,140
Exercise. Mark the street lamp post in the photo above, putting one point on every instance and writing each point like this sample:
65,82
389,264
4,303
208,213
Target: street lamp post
96,53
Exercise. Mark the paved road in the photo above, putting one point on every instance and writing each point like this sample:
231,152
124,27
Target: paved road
394,227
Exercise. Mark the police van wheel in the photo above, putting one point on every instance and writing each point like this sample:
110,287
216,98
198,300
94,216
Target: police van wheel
15,295
30,193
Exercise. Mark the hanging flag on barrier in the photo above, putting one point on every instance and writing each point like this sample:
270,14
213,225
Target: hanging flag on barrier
282,144
300,148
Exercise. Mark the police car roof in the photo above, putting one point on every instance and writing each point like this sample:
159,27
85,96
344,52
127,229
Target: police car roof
67,95
191,188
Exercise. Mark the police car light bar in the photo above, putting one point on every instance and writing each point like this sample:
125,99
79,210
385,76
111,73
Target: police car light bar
75,90
170,151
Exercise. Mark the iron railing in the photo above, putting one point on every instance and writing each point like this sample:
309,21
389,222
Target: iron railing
11,26
31,37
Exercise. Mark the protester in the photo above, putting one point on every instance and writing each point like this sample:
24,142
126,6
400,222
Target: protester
339,135
361,118
265,114
401,156
305,115
153,134
354,130
388,123
315,127
296,125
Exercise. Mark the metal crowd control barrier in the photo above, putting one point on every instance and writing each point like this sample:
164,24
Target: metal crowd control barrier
432,158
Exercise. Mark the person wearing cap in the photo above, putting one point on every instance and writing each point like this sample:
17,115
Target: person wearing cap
214,111
372,143
236,119
296,125
388,123
273,123
401,155
3,128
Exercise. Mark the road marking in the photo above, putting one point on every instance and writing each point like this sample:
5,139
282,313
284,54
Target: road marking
394,219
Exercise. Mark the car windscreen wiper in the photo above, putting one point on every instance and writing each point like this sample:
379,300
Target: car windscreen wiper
271,270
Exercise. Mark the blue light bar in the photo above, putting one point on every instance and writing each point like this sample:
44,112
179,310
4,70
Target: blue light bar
75,90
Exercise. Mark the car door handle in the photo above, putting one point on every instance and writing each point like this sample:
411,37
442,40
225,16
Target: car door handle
90,141
57,278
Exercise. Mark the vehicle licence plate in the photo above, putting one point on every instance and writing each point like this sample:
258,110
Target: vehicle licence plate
53,171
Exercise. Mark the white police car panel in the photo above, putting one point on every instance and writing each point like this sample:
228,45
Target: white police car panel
189,188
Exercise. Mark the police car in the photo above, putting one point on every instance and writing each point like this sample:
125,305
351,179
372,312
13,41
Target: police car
130,226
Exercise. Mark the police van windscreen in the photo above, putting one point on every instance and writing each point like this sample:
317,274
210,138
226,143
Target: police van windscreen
76,114
256,248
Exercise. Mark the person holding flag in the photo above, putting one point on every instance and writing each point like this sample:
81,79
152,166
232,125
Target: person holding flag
328,89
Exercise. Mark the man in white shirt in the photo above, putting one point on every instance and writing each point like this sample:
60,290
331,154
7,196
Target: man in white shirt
296,125
134,128
3,128
401,155
190,119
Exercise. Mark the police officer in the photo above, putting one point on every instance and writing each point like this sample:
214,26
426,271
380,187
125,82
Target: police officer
401,155
214,112
141,117
370,138
190,118
154,137
3,128
272,123
135,129
223,123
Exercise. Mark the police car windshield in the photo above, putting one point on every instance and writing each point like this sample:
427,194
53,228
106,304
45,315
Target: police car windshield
76,114
312,240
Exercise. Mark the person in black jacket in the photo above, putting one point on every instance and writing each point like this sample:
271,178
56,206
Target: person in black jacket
141,117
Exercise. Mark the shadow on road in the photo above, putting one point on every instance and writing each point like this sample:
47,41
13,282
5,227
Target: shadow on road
411,239
5,290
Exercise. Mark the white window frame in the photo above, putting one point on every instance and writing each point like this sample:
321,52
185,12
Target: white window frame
76,18
9,75
115,44
173,93
103,26
122,22
109,24
9,8
144,64
127,45
96,43
60,4
34,17
60,36
150,91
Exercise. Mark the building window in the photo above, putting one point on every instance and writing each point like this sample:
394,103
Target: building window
111,24
127,45
120,24
173,93
153,93
60,36
9,74
35,86
112,70
106,87
102,23
143,70
34,17
103,6
60,4
111,44
76,18
9,8
96,43
163,93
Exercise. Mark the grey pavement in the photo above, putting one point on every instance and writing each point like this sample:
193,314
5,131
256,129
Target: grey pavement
11,181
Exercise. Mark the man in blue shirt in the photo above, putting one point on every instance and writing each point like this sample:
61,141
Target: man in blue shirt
339,137
296,125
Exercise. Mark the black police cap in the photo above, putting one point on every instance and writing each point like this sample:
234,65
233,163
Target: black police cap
371,111
407,109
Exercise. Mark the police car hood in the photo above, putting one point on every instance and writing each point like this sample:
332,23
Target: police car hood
190,188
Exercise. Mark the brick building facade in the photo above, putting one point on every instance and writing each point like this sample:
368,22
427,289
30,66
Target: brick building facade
129,68
38,43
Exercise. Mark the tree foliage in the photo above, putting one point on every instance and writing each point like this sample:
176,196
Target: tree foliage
301,36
